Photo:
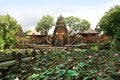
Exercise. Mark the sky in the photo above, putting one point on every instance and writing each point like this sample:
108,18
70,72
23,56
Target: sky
29,12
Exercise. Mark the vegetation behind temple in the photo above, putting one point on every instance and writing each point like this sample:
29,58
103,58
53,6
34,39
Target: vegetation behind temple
8,30
46,23
109,24
76,25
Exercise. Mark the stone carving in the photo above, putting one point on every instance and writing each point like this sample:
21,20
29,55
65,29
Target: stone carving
60,33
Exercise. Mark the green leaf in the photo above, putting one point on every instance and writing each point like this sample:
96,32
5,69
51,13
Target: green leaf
62,72
37,69
59,66
71,73
81,64
90,61
86,78
35,76
43,76
93,71
99,78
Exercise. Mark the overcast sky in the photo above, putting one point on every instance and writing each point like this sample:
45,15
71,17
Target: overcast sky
29,12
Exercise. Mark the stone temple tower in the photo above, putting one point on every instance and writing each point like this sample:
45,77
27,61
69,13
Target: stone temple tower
60,33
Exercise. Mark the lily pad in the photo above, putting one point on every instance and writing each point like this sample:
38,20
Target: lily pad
71,73
62,72
81,64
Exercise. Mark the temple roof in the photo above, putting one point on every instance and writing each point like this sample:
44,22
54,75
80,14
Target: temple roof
90,31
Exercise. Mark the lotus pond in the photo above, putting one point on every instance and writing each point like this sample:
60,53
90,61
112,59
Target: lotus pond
72,64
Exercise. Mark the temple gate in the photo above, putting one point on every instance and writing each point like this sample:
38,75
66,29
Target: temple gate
60,33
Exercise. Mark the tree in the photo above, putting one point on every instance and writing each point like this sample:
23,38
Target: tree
8,30
73,23
76,25
27,31
84,25
45,24
109,24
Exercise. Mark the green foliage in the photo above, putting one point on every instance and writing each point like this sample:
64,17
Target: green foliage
109,23
94,48
81,64
73,23
27,31
61,73
110,26
34,76
71,73
77,25
45,24
8,30
84,25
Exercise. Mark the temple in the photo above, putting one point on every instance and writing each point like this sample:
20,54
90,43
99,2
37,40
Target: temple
60,36
60,33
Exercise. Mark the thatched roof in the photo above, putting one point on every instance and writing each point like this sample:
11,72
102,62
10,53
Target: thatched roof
90,31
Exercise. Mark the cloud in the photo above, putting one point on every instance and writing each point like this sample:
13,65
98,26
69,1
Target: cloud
28,16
